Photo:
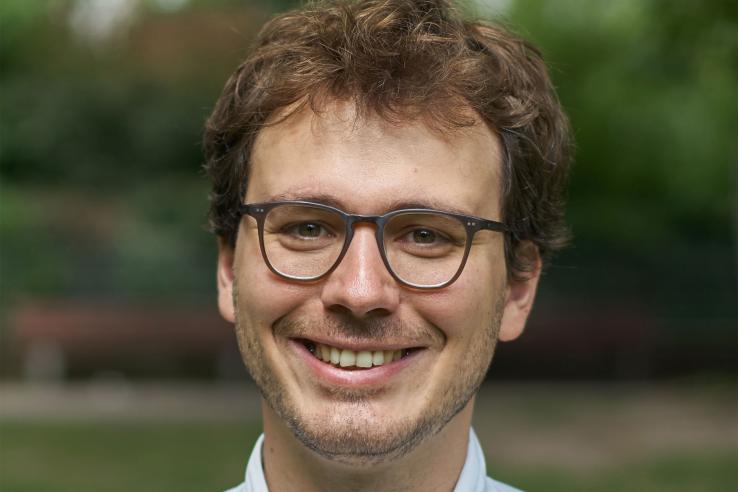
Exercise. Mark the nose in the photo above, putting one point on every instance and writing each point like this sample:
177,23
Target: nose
361,283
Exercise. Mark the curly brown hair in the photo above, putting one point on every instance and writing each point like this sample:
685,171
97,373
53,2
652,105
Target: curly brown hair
401,60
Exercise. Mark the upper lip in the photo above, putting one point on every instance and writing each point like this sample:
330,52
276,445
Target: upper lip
363,345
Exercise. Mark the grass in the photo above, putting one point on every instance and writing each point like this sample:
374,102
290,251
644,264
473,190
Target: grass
538,438
123,456
198,456
677,472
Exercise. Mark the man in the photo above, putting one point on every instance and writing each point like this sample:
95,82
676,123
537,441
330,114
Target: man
387,182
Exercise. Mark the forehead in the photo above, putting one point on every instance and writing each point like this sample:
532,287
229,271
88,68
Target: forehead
368,165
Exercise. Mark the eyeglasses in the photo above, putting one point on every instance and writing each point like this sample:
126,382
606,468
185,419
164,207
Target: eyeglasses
421,248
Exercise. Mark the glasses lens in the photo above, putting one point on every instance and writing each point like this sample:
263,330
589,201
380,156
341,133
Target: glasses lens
301,241
424,249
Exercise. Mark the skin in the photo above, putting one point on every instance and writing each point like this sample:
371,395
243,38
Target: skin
410,431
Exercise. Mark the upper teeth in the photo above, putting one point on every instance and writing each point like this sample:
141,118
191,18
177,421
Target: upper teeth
350,358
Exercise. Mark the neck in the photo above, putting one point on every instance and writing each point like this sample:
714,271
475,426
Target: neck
435,464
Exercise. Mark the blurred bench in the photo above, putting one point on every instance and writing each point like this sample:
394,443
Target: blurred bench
59,340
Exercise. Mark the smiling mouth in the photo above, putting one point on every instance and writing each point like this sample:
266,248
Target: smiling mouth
351,359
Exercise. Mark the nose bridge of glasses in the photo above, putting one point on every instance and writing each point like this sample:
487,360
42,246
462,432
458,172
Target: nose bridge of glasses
354,219
357,219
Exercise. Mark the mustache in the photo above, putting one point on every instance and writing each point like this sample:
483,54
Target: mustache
353,329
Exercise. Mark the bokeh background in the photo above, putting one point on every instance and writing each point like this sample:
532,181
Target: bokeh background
117,374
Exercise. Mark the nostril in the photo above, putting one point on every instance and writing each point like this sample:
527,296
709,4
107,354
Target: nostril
340,310
378,313
344,311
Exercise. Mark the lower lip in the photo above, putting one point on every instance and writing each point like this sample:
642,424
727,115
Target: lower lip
355,378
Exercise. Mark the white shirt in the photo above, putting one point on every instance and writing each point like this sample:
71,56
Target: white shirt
473,476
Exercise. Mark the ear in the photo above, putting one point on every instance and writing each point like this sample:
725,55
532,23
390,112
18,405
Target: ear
225,280
520,295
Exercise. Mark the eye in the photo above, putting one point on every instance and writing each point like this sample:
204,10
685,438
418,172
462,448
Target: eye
424,236
306,230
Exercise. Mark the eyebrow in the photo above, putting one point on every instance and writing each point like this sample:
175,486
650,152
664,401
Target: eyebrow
399,204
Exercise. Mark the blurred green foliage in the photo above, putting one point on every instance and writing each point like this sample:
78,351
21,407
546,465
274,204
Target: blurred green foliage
102,193
651,89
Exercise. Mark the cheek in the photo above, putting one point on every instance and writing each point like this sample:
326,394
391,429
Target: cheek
262,297
468,304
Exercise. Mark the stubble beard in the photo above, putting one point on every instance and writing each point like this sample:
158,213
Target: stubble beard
352,435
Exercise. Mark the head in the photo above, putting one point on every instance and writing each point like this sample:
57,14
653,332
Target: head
370,106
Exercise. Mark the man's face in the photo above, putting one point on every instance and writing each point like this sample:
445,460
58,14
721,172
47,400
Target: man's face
370,167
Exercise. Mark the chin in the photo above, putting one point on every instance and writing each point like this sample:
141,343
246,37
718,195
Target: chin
356,434
361,442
